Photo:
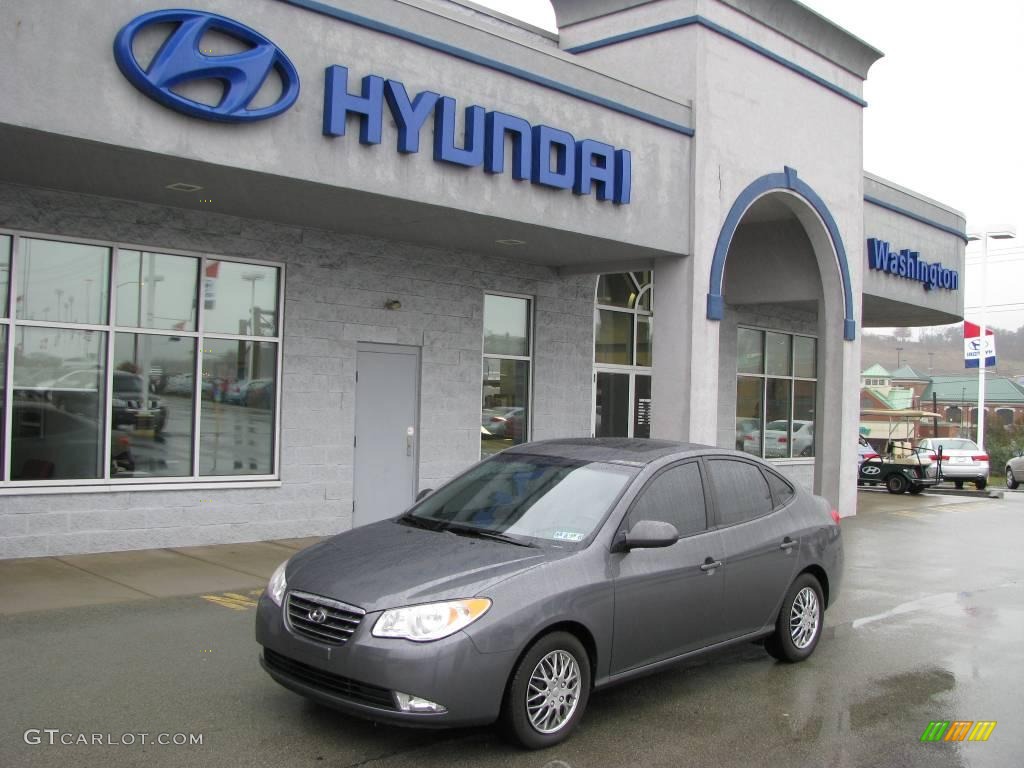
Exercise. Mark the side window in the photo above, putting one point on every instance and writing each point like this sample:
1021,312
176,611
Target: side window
782,491
676,496
740,489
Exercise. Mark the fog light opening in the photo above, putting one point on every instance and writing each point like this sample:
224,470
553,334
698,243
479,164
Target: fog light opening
409,703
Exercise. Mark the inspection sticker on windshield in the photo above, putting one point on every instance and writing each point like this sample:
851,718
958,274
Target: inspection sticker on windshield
568,536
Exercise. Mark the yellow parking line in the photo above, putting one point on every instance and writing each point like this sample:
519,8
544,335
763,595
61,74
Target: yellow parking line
232,600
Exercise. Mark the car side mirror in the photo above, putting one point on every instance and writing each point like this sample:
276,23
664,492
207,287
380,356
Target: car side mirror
647,534
424,493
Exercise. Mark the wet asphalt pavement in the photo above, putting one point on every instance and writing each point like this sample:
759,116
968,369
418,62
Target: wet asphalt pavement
930,626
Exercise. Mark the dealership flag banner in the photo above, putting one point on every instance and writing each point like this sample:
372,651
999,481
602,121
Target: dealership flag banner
973,346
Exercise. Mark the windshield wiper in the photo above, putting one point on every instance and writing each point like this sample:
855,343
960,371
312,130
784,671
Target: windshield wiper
481,533
421,522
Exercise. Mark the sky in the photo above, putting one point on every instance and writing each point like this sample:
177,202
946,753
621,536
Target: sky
945,110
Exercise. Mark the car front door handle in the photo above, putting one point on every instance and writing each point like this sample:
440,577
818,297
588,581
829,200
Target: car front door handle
787,544
710,565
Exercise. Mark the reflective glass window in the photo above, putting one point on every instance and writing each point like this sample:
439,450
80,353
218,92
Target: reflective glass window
506,325
805,360
750,351
804,393
157,290
62,282
644,340
778,356
612,407
238,391
777,416
749,413
504,416
613,338
151,406
617,290
5,272
240,298
57,422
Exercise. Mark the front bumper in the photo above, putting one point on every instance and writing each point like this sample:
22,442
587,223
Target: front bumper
360,676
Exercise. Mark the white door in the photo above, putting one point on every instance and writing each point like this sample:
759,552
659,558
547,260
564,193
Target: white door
387,431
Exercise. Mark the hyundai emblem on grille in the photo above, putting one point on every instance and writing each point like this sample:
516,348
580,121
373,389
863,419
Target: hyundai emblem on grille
317,616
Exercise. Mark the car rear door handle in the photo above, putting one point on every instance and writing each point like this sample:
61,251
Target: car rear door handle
787,544
710,565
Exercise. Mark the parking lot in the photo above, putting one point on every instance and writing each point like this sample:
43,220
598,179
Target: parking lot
929,627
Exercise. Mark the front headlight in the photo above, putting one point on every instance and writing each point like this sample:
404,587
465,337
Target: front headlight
432,621
277,584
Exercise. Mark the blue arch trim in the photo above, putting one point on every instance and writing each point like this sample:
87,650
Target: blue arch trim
787,180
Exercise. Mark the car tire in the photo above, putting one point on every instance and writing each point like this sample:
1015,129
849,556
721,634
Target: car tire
800,621
980,484
958,484
915,489
540,721
1011,481
896,484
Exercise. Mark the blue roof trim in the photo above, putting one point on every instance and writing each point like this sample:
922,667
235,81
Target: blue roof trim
708,24
484,61
787,180
916,217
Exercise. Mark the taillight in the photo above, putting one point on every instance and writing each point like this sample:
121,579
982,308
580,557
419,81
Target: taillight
835,517
980,457
933,457
870,456
748,437
783,439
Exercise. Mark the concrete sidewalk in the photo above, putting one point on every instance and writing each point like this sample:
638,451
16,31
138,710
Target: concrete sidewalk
67,581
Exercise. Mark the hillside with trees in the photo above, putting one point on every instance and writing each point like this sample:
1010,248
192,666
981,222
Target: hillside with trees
940,350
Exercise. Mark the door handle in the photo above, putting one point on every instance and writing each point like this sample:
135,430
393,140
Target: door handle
710,565
787,544
409,434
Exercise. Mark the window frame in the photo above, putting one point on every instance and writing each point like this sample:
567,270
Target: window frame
631,369
719,525
528,359
791,378
108,483
702,471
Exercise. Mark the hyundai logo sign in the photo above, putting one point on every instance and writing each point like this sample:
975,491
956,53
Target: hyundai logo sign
180,60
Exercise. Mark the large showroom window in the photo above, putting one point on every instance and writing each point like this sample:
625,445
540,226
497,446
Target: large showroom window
119,364
508,350
776,386
623,338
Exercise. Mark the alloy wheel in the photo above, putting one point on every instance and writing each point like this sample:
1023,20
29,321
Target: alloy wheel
553,692
804,618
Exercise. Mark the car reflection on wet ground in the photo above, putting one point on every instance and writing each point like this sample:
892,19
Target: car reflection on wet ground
929,627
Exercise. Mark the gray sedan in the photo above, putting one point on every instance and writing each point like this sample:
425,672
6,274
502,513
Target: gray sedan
1015,471
549,571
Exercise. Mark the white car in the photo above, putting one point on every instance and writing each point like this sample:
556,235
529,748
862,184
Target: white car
777,436
962,460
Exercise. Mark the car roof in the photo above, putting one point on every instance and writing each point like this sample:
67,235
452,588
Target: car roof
621,450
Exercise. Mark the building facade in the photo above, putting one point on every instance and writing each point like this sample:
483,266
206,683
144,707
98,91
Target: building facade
268,268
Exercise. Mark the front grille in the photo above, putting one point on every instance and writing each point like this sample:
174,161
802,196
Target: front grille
340,620
361,693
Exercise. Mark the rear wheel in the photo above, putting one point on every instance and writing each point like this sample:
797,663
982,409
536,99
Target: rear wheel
897,484
980,484
958,484
1011,481
916,489
548,692
801,618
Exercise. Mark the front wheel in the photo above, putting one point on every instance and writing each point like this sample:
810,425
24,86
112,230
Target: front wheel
958,484
897,484
1011,481
915,489
801,618
548,692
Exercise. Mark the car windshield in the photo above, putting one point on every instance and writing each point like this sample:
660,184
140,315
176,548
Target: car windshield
533,499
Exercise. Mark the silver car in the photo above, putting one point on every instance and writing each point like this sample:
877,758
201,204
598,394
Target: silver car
962,460
549,571
1015,471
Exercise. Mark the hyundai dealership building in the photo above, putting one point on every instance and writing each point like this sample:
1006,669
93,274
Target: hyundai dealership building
268,268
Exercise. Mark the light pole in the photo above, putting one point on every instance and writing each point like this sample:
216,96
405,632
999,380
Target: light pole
1000,234
898,351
